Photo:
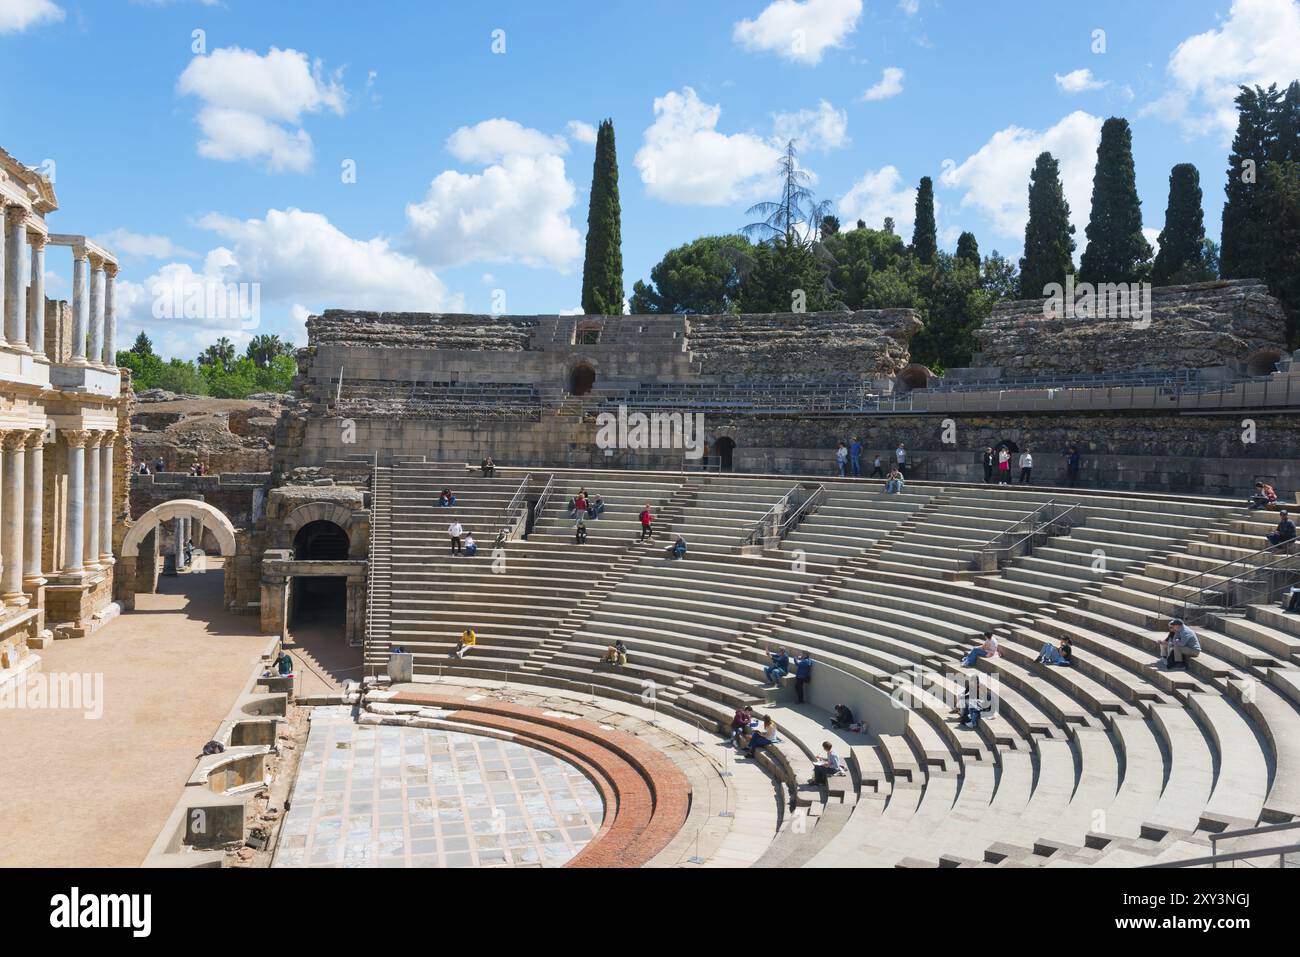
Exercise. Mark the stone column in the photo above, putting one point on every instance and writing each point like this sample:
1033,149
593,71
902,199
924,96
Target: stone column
34,499
36,337
106,500
110,316
11,518
92,500
75,527
178,545
96,353
15,284
80,306
4,255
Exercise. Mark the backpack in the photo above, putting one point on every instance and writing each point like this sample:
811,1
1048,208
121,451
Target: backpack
213,747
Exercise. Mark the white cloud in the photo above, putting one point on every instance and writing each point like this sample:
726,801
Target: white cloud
891,84
909,7
995,178
487,279
1258,43
253,103
1079,81
128,246
877,195
17,15
824,128
684,159
582,132
492,140
1153,237
799,30
575,311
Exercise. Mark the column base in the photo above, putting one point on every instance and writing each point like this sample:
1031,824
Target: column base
107,561
33,582
15,599
41,357
78,361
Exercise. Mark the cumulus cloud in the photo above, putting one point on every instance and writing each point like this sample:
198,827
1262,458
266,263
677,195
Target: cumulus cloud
515,210
581,132
253,105
1078,81
799,30
17,15
891,84
909,7
140,246
879,194
684,159
995,179
824,128
1257,43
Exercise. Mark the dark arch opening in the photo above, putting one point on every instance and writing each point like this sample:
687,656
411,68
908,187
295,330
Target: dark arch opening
915,376
1010,446
726,448
1263,361
320,541
581,379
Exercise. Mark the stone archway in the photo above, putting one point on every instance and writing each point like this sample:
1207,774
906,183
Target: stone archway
201,513
581,378
313,512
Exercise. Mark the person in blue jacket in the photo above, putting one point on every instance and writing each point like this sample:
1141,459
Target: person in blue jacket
779,668
802,673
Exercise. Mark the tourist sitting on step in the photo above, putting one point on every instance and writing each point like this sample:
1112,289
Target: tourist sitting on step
1265,495
761,737
1291,601
969,708
841,717
740,722
468,640
779,668
987,649
611,655
596,507
284,665
1285,531
488,467
580,533
620,650
678,548
826,767
647,523
893,482
455,531
471,546
447,499
1062,654
1180,645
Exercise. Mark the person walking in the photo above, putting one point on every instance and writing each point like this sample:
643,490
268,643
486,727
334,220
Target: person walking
878,469
1026,467
647,523
855,457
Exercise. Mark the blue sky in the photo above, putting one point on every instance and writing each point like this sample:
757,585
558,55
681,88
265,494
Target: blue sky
473,152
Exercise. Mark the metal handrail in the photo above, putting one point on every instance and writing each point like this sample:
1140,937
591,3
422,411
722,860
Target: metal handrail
507,521
1243,560
1267,570
1034,530
1215,859
368,638
545,495
780,520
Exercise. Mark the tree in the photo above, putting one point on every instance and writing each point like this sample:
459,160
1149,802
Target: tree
181,377
829,226
870,269
785,276
789,219
1242,248
1117,251
968,249
602,269
221,353
1049,242
701,277
889,224
264,349
1182,241
1282,181
142,345
1000,278
925,242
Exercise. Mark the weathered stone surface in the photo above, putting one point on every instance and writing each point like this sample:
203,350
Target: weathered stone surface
1193,326
421,330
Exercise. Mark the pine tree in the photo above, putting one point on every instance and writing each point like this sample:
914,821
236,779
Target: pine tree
1287,126
925,243
1242,250
1117,251
1183,238
968,249
1049,242
602,269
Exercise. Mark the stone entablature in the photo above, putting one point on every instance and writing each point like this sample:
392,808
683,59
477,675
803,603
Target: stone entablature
1196,326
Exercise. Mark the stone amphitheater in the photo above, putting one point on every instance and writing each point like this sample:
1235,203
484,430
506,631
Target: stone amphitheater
1115,760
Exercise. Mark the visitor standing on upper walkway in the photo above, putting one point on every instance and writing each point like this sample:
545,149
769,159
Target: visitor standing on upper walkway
1026,467
877,470
989,461
900,454
855,456
841,457
1072,465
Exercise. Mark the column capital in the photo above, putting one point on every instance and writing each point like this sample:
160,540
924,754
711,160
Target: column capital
110,269
93,438
75,437
36,239
14,441
15,215
96,261
35,439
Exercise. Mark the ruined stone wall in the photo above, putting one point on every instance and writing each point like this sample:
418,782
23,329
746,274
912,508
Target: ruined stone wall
421,330
804,346
1192,327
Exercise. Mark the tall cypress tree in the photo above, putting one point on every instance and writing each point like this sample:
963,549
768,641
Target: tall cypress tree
1117,251
602,269
968,249
1049,236
925,241
1182,241
1243,248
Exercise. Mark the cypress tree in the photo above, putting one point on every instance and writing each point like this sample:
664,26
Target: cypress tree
925,242
1117,251
1243,246
1049,242
1287,126
968,249
602,268
1182,240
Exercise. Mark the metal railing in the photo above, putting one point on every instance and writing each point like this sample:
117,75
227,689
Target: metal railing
1215,858
369,635
1257,583
545,496
509,520
785,516
1019,538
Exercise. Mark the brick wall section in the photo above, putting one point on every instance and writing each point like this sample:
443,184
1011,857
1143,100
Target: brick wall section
651,794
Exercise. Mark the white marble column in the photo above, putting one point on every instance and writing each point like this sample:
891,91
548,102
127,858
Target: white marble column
96,353
74,529
178,531
110,316
34,499
12,517
15,284
91,552
106,500
4,256
80,305
36,335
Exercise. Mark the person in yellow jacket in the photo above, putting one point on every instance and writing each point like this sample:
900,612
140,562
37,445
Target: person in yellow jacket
467,641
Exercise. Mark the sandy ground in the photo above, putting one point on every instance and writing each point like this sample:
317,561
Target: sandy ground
96,793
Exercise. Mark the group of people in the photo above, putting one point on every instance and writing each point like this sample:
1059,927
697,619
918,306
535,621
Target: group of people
462,542
616,654
848,460
781,666
999,460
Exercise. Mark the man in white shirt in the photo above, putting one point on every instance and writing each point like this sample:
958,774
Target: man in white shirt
900,453
455,531
1026,467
